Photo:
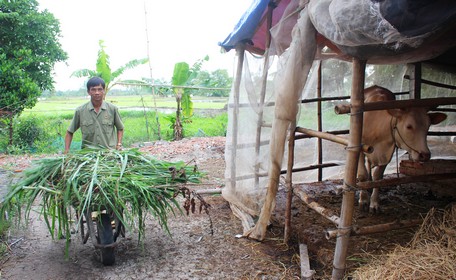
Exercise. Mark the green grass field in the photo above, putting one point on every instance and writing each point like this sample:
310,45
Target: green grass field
59,105
42,128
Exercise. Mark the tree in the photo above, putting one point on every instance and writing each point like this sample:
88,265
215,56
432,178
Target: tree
336,74
219,81
29,49
103,69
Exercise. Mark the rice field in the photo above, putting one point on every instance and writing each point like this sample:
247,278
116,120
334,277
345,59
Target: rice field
145,120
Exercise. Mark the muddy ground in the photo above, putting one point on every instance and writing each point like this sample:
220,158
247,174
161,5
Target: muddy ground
206,247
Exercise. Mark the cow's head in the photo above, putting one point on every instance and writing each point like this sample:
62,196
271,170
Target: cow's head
410,128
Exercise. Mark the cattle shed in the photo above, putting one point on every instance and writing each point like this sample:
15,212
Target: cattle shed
296,107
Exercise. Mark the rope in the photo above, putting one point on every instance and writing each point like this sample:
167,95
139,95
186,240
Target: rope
354,147
344,231
356,113
348,188
393,130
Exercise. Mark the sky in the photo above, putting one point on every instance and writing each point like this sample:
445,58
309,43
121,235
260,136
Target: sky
176,31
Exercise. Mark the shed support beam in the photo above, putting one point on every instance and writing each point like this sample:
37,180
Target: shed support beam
353,152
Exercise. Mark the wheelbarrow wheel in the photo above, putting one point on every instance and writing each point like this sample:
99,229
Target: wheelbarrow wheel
106,237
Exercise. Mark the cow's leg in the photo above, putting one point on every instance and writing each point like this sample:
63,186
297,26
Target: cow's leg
277,149
362,177
377,175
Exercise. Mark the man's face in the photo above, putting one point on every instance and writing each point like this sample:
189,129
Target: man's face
96,92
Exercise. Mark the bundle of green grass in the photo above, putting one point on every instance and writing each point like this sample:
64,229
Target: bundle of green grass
129,182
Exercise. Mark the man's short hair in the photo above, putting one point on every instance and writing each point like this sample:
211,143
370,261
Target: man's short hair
95,81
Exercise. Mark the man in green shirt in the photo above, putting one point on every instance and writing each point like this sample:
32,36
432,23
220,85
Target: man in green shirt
100,122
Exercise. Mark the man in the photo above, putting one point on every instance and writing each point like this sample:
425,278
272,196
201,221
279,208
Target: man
100,122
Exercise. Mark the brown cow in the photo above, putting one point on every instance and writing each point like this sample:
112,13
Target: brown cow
386,129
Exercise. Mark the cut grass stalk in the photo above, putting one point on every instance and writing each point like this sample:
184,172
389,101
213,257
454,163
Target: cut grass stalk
127,182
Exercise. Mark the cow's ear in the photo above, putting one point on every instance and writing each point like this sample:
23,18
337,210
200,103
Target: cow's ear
396,112
437,117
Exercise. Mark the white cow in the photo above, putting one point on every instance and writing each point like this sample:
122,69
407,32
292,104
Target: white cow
386,129
382,129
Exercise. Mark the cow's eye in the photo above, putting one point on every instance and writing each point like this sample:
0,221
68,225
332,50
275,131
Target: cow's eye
409,126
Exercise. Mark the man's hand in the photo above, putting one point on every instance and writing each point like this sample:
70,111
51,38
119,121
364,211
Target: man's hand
68,139
119,147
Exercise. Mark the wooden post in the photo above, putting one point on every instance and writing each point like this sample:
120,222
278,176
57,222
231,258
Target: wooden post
289,182
332,138
392,181
395,104
320,124
377,228
262,96
353,151
312,204
240,50
306,272
415,81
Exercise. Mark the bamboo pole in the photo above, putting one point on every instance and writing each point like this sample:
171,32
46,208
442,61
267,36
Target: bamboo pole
316,166
332,233
299,169
332,137
396,104
333,132
344,132
435,84
415,82
319,124
240,50
289,182
154,95
394,181
388,181
312,204
264,81
169,86
209,191
353,151
146,119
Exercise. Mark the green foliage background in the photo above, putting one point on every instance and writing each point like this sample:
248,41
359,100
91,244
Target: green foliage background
43,132
29,48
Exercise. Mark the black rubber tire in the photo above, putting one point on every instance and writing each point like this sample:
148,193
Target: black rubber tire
106,237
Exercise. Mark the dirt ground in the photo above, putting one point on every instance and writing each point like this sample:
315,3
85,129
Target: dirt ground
206,247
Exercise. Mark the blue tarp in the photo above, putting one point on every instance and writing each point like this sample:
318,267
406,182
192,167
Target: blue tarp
247,25
252,27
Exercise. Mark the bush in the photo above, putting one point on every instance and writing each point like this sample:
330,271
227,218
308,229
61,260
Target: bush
29,134
27,131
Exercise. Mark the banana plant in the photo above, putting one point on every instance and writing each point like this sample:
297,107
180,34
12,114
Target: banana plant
103,69
182,76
